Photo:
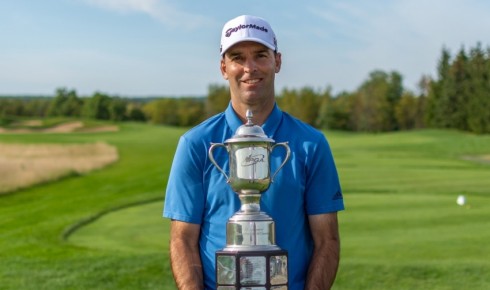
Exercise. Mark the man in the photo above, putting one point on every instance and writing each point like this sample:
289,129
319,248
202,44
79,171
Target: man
305,195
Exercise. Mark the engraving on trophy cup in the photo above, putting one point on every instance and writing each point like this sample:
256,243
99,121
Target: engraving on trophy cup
253,163
251,258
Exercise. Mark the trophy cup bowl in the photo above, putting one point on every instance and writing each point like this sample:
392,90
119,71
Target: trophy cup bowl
251,258
249,163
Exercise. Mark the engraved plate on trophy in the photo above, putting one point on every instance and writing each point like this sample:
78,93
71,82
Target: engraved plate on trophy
226,269
252,164
252,270
278,270
256,233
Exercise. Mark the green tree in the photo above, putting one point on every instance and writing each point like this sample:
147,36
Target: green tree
117,109
478,119
393,95
458,93
310,103
217,100
435,114
191,111
65,103
135,112
326,102
407,112
37,107
288,101
424,90
304,104
11,107
447,106
97,107
372,107
162,111
459,98
339,114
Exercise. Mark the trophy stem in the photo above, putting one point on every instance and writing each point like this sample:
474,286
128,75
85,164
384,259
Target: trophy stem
250,201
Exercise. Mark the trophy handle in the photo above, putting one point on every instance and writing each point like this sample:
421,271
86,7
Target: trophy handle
211,157
288,154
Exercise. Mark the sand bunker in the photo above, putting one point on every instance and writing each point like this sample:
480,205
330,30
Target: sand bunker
24,165
61,128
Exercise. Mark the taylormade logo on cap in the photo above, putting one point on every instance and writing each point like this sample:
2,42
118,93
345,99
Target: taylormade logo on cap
244,26
247,28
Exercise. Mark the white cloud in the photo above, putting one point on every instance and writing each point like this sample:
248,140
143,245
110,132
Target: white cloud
147,6
405,35
160,10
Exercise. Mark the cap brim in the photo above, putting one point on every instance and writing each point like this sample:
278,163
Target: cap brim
253,39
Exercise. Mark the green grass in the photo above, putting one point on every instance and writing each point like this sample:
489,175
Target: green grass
401,228
33,253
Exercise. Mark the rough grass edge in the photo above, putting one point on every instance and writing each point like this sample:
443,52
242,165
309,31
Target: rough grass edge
70,230
66,175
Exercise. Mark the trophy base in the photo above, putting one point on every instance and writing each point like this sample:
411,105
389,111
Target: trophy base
249,269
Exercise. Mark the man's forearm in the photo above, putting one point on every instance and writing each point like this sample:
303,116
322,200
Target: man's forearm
323,267
326,254
186,266
184,257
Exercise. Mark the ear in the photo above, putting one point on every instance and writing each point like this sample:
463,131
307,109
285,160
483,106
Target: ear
278,58
223,68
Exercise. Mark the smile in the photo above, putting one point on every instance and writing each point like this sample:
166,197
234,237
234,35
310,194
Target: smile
252,81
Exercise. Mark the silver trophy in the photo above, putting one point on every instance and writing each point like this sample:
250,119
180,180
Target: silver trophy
251,259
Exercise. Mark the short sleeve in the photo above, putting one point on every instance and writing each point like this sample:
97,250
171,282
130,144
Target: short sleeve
323,192
185,199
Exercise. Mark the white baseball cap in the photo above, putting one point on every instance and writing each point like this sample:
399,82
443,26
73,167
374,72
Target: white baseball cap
247,28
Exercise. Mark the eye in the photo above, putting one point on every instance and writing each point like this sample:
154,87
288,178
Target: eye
262,55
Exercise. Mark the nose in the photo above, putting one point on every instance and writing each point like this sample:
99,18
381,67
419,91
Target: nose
250,66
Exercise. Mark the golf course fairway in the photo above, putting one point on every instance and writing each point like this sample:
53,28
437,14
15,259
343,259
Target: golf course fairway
402,227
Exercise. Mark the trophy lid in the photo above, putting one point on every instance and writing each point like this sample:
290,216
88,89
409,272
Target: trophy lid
249,132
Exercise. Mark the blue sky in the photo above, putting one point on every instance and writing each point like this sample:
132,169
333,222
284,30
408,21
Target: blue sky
171,47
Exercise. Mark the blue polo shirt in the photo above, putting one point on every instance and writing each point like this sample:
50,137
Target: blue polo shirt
307,185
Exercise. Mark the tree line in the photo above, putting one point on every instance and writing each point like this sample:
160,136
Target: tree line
458,98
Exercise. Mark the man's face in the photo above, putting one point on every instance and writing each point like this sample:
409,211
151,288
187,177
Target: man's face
250,69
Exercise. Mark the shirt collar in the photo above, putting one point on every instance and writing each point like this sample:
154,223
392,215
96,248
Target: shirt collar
270,126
